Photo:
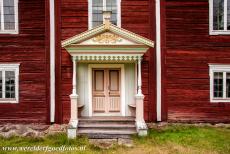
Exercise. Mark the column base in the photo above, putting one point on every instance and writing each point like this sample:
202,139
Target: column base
71,132
142,128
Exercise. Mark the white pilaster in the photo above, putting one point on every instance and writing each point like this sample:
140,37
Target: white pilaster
140,122
52,61
158,58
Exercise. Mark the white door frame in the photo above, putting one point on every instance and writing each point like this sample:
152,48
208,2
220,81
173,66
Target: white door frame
90,68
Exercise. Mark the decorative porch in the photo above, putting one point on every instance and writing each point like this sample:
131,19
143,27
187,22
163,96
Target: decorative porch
107,46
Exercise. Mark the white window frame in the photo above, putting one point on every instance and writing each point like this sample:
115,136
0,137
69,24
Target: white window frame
90,13
15,68
218,32
16,30
218,68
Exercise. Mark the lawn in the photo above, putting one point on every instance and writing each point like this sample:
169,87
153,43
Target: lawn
178,139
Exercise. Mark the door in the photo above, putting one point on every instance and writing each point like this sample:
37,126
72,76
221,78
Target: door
106,91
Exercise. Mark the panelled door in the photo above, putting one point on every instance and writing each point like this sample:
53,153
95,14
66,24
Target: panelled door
106,91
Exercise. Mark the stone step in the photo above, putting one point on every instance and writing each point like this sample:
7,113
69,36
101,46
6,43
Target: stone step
108,119
105,133
106,125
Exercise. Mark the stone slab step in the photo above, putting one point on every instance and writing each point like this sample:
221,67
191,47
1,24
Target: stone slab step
106,125
105,134
108,119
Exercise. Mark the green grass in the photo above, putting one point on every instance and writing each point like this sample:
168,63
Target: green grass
178,139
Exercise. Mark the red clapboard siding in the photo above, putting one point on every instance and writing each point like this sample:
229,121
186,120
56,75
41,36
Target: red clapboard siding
189,50
30,49
137,16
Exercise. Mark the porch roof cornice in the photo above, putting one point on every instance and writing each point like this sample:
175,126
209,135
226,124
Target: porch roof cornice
75,40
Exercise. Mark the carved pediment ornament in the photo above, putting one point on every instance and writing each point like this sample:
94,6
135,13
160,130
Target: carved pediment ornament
107,38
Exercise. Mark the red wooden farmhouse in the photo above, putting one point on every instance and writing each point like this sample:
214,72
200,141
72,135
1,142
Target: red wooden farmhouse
110,66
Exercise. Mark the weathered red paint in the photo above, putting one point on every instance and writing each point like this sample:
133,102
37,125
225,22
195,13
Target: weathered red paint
30,48
189,50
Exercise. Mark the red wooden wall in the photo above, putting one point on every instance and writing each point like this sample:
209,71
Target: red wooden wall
30,49
189,50
137,16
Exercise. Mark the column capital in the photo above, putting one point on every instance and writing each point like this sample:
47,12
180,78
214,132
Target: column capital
74,58
139,58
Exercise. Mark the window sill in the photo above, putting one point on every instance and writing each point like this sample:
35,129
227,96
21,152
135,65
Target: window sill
219,32
8,101
9,32
220,101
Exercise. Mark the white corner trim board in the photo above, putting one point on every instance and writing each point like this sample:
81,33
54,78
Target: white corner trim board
52,61
158,58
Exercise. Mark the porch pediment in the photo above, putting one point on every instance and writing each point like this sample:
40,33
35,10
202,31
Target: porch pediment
107,39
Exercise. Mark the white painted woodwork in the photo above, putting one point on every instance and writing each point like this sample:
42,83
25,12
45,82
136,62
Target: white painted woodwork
114,40
15,68
218,32
139,79
2,22
52,61
129,82
224,68
158,58
140,122
74,97
74,82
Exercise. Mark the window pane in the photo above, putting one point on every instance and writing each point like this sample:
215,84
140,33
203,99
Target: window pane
0,18
0,84
228,15
99,80
218,14
218,84
228,85
111,5
9,14
97,13
10,84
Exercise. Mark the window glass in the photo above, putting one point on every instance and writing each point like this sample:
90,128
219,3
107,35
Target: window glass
218,84
10,84
218,14
0,84
228,85
228,15
0,17
111,5
9,14
97,12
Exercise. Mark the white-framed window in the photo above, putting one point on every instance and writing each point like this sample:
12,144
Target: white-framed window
219,17
8,16
9,83
219,83
96,8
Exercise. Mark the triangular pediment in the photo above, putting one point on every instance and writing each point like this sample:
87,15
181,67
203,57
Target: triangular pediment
107,38
107,34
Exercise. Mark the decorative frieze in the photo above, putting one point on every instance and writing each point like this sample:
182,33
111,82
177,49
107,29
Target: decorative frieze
108,57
